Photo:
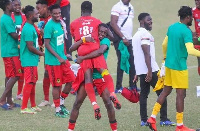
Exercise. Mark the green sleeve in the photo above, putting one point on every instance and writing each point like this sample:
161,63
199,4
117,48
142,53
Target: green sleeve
9,26
47,31
105,41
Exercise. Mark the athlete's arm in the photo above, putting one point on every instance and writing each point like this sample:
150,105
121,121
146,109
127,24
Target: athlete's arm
32,49
147,57
58,2
164,46
191,50
14,35
47,45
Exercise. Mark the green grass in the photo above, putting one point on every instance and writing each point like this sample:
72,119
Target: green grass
163,13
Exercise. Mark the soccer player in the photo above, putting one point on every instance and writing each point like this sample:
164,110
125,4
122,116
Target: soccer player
103,89
29,56
146,67
84,26
9,53
176,47
18,18
196,16
44,14
58,66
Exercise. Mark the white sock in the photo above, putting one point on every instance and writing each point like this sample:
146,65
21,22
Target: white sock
62,101
154,116
93,103
179,124
70,130
58,109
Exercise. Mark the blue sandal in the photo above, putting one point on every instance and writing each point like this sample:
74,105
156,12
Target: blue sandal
5,106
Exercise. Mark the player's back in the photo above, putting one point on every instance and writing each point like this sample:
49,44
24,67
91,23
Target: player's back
83,27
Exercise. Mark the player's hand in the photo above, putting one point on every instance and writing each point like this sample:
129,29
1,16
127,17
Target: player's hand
41,48
61,60
126,42
89,39
135,80
148,77
79,59
42,54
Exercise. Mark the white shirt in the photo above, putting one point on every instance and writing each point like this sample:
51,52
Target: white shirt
141,37
121,11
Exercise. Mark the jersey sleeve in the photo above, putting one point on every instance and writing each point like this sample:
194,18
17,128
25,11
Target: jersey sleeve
145,39
188,36
9,26
47,31
105,41
115,10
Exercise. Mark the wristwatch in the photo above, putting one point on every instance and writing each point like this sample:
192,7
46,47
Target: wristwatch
123,37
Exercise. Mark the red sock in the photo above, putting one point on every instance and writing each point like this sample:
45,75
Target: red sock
90,92
109,82
71,124
26,95
113,125
180,127
64,95
46,86
32,96
199,70
56,102
20,84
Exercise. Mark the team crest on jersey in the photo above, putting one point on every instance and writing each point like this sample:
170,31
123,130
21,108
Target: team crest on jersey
55,31
19,71
58,80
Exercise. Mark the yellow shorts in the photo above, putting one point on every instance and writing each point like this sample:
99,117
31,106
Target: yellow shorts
176,79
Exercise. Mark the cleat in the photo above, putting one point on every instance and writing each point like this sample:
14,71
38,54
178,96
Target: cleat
118,90
36,109
167,123
115,101
97,113
152,124
27,111
64,109
184,128
143,123
44,103
19,97
60,114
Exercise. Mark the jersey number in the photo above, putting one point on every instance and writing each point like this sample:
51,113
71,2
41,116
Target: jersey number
85,30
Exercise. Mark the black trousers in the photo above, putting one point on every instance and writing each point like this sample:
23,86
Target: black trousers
119,71
145,90
65,12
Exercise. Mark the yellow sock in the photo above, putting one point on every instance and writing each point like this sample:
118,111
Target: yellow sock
179,118
156,109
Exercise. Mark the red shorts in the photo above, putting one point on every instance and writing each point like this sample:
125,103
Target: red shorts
12,66
97,62
197,47
100,85
60,74
30,74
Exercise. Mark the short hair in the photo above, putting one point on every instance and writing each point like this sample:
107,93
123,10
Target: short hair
3,4
184,12
104,25
86,6
43,2
142,16
52,7
27,10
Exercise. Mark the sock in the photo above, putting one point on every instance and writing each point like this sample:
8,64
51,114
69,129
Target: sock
199,70
62,98
90,93
56,102
58,109
20,84
179,118
32,96
113,125
71,125
109,82
26,95
156,109
46,86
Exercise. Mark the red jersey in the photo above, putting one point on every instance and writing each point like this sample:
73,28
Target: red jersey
196,16
82,27
62,3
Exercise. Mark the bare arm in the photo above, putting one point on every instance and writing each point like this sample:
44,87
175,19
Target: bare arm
75,45
14,35
58,2
47,45
32,49
147,56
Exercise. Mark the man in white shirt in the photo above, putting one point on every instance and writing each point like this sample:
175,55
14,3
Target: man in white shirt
146,67
123,28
